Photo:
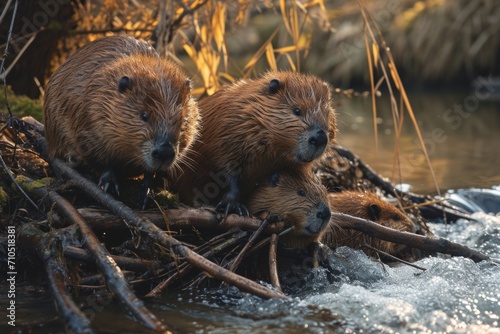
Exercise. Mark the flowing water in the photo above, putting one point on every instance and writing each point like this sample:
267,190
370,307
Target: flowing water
355,294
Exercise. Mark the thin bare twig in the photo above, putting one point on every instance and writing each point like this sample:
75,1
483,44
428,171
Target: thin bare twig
13,179
393,257
233,265
273,263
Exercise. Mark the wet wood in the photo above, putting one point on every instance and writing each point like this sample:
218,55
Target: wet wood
432,244
273,262
115,280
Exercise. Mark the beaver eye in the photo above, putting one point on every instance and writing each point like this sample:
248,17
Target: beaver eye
396,218
301,193
144,117
296,111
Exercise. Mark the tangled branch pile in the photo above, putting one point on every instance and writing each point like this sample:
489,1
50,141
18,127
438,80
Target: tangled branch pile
91,248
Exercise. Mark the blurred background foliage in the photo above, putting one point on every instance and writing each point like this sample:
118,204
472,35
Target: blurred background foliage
434,42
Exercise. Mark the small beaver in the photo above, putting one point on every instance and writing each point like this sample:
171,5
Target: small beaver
250,129
299,199
368,206
120,108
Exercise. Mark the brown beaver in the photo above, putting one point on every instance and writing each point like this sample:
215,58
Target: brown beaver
299,199
250,129
368,206
120,108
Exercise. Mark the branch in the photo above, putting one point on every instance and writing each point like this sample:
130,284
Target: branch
115,280
273,267
48,247
432,244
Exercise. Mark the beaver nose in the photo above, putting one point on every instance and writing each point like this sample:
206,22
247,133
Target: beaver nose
319,139
324,213
163,153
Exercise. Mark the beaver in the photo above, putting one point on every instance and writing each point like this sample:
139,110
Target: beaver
121,109
296,197
251,128
368,206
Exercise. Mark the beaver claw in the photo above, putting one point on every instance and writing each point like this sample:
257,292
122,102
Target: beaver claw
108,178
227,206
145,188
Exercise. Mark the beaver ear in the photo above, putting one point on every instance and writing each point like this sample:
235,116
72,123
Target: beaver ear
274,86
124,83
274,179
187,83
374,212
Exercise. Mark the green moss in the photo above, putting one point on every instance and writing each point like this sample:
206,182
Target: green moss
4,198
166,199
21,105
28,184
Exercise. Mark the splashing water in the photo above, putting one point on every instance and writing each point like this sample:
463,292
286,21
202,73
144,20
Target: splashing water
454,295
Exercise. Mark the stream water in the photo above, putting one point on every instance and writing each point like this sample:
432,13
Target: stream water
357,295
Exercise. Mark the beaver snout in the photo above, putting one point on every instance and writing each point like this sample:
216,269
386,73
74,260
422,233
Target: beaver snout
163,153
311,144
324,213
319,220
319,139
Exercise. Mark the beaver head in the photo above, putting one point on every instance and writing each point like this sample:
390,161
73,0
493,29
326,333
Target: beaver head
303,117
143,106
298,198
371,207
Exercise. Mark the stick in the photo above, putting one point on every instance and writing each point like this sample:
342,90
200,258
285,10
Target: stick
123,262
432,244
48,247
233,265
115,280
273,267
227,276
393,257
56,274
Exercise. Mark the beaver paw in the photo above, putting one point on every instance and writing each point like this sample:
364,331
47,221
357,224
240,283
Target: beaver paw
108,178
227,206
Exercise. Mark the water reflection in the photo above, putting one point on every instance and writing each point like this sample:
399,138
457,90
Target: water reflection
461,134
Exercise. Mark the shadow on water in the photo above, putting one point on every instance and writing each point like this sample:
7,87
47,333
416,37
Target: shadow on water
461,134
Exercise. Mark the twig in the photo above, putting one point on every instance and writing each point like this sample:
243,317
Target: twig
233,265
185,267
51,252
227,276
432,244
6,8
115,280
5,54
123,262
273,267
48,247
393,257
13,179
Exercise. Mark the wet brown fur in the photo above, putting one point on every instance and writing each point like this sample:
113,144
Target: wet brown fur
295,198
356,203
87,119
249,132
